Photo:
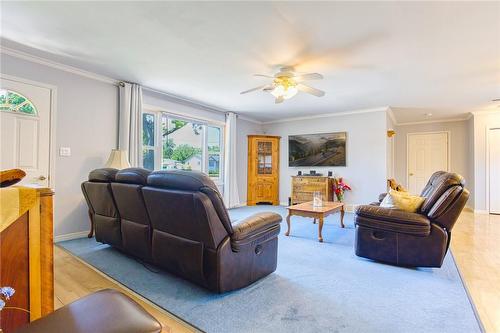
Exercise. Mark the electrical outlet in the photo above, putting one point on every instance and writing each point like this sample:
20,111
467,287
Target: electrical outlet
65,151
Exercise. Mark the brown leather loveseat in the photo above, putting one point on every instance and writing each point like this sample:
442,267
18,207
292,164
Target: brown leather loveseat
177,220
413,239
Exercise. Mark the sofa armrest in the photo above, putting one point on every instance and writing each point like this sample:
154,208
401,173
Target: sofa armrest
254,225
392,215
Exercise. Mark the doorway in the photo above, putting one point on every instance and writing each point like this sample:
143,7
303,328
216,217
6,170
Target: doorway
427,153
494,170
25,127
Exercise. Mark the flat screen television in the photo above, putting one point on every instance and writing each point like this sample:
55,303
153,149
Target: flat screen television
324,149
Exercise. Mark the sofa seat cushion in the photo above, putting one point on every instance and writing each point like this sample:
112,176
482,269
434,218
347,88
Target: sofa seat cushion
392,220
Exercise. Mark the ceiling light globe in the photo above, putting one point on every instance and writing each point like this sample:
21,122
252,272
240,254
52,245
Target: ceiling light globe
278,91
290,92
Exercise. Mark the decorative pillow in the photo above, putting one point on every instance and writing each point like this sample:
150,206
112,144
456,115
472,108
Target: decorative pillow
402,200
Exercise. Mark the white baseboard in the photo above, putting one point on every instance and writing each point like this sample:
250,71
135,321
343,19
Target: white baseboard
480,211
73,235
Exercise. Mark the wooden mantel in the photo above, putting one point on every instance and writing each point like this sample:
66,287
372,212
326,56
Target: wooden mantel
26,258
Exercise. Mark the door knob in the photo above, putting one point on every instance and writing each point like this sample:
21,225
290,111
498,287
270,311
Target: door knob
42,177
411,174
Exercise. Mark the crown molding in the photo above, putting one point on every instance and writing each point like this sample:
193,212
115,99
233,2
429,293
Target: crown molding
327,115
67,68
391,115
434,121
81,72
255,121
484,112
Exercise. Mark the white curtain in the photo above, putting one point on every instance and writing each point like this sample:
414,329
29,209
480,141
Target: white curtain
130,122
231,196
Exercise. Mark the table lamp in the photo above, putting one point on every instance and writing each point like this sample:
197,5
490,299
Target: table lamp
118,159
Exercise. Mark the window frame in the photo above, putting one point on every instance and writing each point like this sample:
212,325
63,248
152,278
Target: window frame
158,144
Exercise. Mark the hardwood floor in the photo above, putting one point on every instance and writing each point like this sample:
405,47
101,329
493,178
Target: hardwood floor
475,245
75,279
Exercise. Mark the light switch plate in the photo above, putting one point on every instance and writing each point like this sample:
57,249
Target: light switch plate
65,151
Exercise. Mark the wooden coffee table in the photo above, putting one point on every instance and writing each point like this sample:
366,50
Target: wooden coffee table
306,209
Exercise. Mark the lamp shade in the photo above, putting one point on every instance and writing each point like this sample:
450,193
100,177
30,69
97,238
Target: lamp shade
118,159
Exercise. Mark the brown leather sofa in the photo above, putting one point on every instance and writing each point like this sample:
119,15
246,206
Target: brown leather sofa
105,311
413,239
177,220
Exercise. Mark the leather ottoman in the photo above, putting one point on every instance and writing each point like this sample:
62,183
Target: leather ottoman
106,311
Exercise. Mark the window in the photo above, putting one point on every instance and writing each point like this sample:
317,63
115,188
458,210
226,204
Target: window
171,142
148,140
214,149
12,101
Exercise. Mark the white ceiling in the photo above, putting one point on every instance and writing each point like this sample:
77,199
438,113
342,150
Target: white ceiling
417,57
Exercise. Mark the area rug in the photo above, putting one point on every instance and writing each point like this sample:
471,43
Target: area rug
317,287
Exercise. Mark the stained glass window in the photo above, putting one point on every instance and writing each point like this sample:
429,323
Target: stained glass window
15,102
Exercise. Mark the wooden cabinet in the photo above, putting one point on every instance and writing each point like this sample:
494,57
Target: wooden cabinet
263,169
26,261
303,188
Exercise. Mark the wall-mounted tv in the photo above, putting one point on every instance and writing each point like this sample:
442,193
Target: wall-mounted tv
326,149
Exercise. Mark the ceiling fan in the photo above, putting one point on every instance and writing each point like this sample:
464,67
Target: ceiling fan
286,83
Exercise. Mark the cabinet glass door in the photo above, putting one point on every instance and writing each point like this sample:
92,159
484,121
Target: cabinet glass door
265,157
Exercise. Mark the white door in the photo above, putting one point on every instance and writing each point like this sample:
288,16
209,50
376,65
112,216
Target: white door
494,148
427,153
25,129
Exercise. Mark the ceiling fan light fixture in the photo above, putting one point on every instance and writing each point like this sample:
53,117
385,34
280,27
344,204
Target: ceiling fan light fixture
285,88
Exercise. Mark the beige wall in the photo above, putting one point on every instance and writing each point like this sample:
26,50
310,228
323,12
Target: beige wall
366,169
460,138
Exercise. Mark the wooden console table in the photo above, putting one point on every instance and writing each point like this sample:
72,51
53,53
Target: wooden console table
26,254
307,209
303,188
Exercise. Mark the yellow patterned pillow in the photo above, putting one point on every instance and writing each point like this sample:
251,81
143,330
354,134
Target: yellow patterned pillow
402,200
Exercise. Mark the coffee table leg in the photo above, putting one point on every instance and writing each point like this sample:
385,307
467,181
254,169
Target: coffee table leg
342,217
288,223
320,228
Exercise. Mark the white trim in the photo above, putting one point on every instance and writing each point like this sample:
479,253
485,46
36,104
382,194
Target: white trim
187,101
52,121
327,115
485,112
433,121
448,134
53,64
153,108
391,115
481,211
70,236
258,122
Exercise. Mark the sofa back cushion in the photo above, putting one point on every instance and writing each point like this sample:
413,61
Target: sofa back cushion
99,196
186,225
437,185
135,223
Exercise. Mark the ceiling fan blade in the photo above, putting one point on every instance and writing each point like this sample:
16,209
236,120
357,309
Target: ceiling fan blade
253,89
310,90
263,75
309,76
279,99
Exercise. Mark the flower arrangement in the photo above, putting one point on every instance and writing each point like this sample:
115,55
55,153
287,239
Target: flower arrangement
5,294
339,187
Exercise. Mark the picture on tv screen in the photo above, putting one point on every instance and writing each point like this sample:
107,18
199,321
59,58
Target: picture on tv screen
327,149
